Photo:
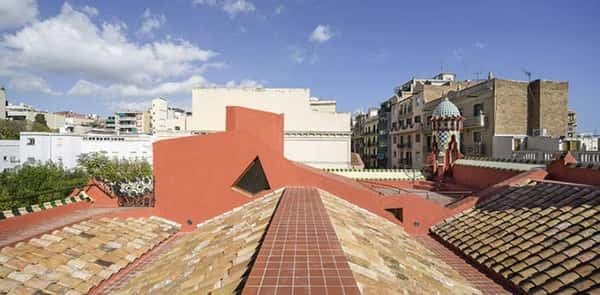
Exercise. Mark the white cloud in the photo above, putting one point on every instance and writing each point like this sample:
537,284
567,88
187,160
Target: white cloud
279,9
246,84
232,7
458,54
87,88
480,45
71,44
31,83
299,55
151,22
322,33
15,13
139,106
89,10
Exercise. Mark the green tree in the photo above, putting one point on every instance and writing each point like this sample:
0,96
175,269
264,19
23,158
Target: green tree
35,184
40,124
114,170
10,129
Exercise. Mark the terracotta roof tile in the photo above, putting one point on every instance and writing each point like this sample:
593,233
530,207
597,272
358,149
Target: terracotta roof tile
538,236
78,257
213,258
385,259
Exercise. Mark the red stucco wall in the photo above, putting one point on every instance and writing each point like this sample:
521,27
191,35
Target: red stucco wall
480,177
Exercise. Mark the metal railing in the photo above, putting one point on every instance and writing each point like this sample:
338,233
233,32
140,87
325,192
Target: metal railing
474,149
475,121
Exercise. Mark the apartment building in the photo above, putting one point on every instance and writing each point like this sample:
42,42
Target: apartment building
371,139
407,117
384,125
129,122
500,113
358,127
164,118
571,124
3,103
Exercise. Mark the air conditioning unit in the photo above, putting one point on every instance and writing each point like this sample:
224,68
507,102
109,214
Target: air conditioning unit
540,132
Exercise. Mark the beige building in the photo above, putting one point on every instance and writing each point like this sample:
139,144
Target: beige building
315,133
500,113
25,112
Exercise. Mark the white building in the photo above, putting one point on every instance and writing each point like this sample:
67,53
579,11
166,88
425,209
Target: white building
165,118
41,147
9,154
315,134
3,103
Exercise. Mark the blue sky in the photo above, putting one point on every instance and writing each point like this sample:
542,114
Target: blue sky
100,56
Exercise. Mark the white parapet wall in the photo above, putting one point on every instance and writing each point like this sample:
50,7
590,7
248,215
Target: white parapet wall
315,134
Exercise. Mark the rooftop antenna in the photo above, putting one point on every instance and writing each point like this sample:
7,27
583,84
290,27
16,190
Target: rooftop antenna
527,73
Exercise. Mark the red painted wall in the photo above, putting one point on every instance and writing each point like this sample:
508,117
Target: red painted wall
480,177
270,125
559,171
193,175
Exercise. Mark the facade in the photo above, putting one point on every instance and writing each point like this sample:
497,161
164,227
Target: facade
3,103
315,134
40,147
371,139
500,113
164,118
409,145
9,154
79,123
571,124
358,127
26,112
384,124
129,122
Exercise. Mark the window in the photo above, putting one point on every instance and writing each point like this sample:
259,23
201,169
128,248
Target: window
477,109
477,137
394,139
397,212
418,138
30,141
253,180
395,154
417,119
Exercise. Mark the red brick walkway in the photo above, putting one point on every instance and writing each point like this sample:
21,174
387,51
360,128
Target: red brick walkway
301,253
472,274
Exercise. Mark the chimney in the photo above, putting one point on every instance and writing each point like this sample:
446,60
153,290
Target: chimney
490,76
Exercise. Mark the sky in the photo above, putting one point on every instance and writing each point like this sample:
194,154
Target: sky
104,56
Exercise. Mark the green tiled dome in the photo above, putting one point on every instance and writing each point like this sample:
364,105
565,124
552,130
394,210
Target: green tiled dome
446,109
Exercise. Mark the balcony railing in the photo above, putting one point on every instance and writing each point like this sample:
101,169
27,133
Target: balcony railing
476,149
587,157
475,122
535,155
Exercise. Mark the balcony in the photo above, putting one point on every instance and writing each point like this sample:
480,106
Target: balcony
475,122
587,157
476,149
535,155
